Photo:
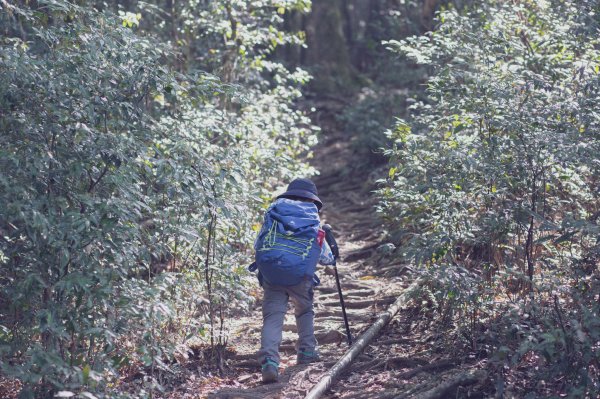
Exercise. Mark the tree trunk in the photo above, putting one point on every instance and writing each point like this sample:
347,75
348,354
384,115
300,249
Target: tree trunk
427,13
327,54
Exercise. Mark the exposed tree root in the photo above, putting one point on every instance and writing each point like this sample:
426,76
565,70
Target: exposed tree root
247,364
448,388
360,395
395,341
364,304
395,362
442,364
363,253
433,389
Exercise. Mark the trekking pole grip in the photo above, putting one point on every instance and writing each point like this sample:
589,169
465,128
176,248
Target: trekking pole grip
331,241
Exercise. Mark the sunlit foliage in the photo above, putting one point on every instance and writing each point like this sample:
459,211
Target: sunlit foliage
131,178
493,186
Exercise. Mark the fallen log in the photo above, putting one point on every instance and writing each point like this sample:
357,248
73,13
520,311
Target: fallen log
359,344
358,255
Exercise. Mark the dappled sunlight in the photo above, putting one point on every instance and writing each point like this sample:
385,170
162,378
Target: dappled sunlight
454,145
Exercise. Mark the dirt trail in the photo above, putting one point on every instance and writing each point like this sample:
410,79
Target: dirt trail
404,361
349,208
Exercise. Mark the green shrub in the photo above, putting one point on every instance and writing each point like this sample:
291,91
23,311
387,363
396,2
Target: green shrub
128,193
496,174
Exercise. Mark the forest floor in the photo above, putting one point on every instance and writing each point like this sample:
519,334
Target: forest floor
402,361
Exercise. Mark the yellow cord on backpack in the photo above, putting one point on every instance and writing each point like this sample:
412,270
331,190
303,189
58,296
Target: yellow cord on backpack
271,242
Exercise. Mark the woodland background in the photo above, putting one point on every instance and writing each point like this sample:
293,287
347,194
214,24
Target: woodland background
140,142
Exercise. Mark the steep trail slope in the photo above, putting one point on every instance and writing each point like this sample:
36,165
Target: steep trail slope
348,207
405,360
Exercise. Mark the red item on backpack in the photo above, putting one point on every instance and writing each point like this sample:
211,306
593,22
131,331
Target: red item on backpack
320,237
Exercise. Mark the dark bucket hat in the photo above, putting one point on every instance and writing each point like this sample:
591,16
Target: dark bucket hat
303,188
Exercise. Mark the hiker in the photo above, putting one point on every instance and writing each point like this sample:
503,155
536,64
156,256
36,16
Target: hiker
288,248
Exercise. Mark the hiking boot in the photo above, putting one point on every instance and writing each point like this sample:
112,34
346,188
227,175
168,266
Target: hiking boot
270,371
306,357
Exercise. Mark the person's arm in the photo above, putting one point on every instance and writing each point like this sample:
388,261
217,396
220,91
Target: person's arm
326,257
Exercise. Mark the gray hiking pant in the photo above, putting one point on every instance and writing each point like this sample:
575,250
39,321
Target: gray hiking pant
274,308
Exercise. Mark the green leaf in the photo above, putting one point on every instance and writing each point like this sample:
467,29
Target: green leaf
85,372
392,172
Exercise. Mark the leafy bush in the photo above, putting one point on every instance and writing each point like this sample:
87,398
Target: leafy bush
496,174
128,192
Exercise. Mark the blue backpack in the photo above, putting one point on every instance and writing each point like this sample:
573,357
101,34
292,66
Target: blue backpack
289,243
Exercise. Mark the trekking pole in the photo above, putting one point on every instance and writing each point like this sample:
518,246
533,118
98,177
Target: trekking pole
336,254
